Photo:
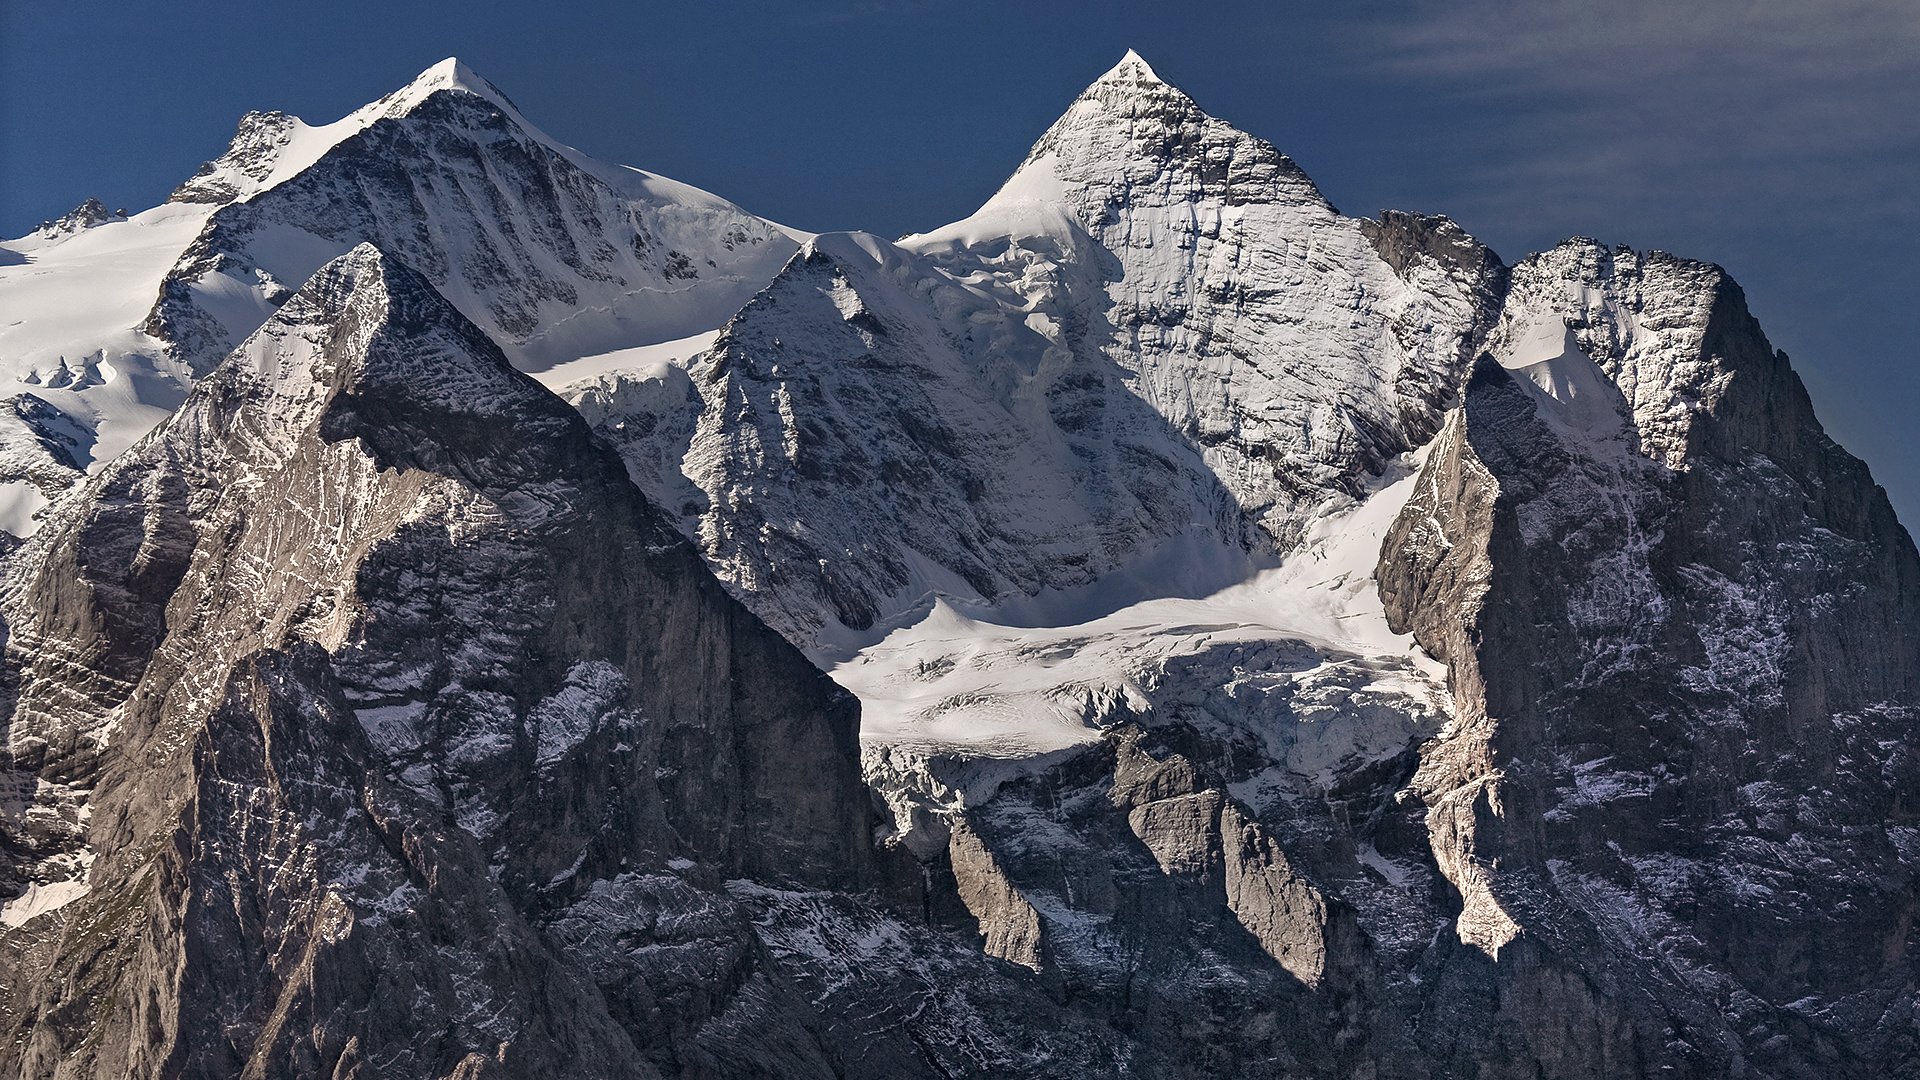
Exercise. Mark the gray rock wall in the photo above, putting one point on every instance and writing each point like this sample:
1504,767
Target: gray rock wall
1685,687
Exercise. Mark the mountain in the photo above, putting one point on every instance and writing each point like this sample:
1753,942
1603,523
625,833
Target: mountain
1156,626
1682,629
1157,337
391,816
557,256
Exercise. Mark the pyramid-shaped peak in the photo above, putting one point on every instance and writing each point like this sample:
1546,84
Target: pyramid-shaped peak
400,295
1133,68
449,74
1130,123
369,326
453,74
1132,84
387,293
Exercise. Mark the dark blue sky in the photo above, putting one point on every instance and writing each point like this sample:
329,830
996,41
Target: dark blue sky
1781,139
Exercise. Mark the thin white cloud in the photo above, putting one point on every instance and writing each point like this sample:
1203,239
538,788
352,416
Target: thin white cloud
1710,111
1604,43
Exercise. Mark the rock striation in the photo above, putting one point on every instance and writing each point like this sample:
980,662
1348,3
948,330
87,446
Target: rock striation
1681,628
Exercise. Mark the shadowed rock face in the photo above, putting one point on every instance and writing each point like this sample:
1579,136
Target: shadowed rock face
1679,786
361,686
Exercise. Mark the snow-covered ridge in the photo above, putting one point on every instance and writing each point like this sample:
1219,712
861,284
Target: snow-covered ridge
272,147
72,338
555,254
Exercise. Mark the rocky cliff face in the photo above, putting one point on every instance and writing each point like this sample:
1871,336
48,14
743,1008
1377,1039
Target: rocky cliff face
1681,632
366,720
1664,832
871,424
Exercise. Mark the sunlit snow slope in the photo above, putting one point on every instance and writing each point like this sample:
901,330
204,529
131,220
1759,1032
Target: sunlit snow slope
1297,659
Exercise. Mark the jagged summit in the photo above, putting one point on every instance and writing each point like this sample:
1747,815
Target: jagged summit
270,148
85,216
1132,135
449,74
555,255
1221,251
1128,96
1132,68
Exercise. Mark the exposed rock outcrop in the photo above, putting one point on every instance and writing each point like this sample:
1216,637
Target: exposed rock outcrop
1682,639
85,216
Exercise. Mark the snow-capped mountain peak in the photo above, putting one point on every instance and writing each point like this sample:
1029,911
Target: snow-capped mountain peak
449,74
556,254
270,148
1154,362
1219,254
1134,69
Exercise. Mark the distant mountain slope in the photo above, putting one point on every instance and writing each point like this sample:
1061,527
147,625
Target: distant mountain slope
556,255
